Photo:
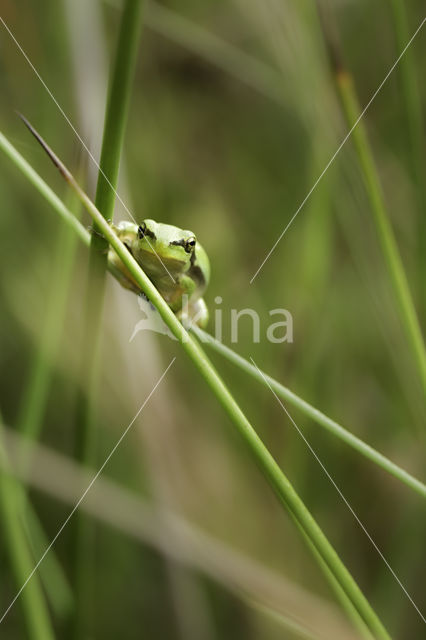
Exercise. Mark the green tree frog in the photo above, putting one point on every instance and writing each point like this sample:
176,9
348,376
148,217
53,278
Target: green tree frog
172,258
174,261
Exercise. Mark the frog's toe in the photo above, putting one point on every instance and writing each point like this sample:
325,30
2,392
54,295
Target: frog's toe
94,232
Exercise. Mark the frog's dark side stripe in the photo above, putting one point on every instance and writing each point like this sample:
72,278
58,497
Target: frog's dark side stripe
196,272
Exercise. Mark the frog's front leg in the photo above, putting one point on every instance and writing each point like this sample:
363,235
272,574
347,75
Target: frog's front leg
189,309
98,234
120,272
195,312
115,263
178,293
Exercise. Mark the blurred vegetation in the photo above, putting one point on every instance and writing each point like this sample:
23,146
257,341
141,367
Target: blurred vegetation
233,117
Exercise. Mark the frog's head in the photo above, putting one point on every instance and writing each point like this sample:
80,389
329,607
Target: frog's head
163,243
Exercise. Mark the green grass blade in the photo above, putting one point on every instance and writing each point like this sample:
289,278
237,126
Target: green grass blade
36,615
118,106
34,400
33,406
314,414
412,102
260,454
401,289
52,575
342,597
114,127
415,130
48,194
192,548
286,394
385,233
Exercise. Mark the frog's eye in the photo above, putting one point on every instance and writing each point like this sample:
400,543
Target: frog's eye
145,232
190,244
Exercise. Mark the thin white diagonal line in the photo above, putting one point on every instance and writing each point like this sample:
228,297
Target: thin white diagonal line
86,491
341,495
79,137
345,139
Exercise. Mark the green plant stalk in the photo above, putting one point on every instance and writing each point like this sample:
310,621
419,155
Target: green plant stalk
413,108
251,581
117,109
52,574
411,96
385,233
317,416
352,112
33,404
35,613
53,571
261,455
34,399
48,194
346,603
268,466
286,394
114,128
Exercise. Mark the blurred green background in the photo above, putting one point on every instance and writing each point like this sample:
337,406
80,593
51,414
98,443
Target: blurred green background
233,117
